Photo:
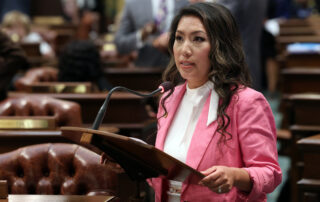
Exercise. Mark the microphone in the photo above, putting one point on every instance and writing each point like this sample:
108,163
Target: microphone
164,87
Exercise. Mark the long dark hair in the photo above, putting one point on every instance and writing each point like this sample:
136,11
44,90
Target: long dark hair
228,70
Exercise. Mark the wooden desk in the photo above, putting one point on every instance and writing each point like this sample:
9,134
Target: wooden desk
38,61
300,109
57,198
63,27
283,41
135,78
14,139
309,60
125,110
310,148
300,80
303,110
297,31
294,23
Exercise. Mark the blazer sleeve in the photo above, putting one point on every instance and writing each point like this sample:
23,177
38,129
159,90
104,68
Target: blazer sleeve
257,138
126,35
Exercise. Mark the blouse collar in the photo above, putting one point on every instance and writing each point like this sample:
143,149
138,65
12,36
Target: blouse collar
202,92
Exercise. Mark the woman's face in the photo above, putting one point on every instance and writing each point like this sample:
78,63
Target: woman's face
191,51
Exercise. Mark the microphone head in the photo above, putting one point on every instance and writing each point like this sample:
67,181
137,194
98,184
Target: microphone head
165,86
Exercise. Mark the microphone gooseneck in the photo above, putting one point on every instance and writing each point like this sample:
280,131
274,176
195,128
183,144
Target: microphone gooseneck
165,86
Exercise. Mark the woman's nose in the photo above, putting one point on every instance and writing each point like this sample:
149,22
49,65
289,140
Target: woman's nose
186,49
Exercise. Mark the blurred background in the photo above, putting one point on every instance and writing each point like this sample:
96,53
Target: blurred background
71,50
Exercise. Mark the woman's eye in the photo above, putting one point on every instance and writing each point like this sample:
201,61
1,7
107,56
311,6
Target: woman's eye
198,39
178,38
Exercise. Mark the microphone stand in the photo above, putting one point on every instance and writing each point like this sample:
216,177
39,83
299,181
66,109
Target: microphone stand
103,109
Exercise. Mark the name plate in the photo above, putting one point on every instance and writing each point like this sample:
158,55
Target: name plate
109,47
27,123
63,87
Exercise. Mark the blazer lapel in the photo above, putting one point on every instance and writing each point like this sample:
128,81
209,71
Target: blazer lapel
172,107
201,138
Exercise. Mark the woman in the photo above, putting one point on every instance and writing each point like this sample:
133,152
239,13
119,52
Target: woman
213,121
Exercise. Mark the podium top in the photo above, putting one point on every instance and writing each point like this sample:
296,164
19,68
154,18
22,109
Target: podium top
138,159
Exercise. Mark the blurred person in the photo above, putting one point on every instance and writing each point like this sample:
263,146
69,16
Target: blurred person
71,12
19,5
18,26
96,7
79,62
12,59
268,54
89,15
213,121
143,29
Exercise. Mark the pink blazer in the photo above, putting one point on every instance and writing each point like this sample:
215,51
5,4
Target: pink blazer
253,147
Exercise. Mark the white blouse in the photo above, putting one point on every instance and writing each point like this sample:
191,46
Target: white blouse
183,126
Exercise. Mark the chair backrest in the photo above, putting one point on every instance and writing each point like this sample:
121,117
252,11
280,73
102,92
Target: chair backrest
34,75
59,168
66,113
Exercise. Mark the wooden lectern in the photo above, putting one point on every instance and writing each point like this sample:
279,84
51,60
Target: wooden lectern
139,160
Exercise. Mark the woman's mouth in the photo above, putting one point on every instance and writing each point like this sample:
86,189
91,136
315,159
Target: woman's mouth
186,65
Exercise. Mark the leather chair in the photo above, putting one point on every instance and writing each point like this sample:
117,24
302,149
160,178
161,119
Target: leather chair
40,74
66,113
59,168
